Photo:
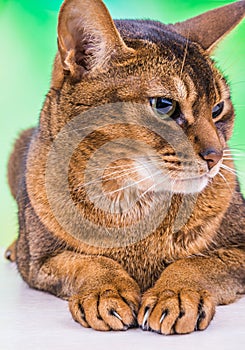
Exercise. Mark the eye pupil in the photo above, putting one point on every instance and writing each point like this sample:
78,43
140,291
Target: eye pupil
163,106
217,110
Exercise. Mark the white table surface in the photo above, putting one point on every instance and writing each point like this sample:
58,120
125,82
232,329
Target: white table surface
30,319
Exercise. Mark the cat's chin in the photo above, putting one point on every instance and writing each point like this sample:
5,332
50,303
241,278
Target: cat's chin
190,186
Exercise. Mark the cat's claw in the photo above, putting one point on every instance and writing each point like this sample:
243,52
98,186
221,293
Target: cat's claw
163,316
114,313
173,312
106,309
145,325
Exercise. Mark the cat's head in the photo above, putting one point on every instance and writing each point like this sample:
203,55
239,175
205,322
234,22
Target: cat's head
162,106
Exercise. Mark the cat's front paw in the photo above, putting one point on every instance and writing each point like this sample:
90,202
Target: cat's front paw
176,312
106,308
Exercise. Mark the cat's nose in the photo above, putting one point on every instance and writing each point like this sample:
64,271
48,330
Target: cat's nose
212,157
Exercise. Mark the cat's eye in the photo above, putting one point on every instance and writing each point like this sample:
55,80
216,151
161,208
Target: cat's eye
163,107
217,110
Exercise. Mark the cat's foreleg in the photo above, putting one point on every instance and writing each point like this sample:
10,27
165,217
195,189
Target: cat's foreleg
185,296
100,292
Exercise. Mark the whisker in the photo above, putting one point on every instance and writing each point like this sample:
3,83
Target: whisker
108,177
148,190
233,144
223,177
232,171
185,54
122,173
234,153
234,150
235,157
228,168
93,170
132,184
232,158
236,147
116,166
152,186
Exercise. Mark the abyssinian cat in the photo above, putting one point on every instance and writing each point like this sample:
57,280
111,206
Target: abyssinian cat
127,207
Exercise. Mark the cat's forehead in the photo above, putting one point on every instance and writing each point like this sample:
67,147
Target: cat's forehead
172,55
178,62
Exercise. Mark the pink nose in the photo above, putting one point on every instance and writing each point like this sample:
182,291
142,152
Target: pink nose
212,157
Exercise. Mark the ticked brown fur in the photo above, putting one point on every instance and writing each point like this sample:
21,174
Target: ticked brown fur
168,282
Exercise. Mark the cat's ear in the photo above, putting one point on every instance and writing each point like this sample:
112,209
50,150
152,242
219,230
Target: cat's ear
87,37
209,28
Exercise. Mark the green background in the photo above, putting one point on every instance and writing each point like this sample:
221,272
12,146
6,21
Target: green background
28,45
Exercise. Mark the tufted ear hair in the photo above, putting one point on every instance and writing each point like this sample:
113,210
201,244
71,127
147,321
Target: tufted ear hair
87,37
210,27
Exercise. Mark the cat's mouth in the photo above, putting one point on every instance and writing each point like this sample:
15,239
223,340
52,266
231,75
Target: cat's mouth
126,182
195,184
131,180
187,181
185,185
